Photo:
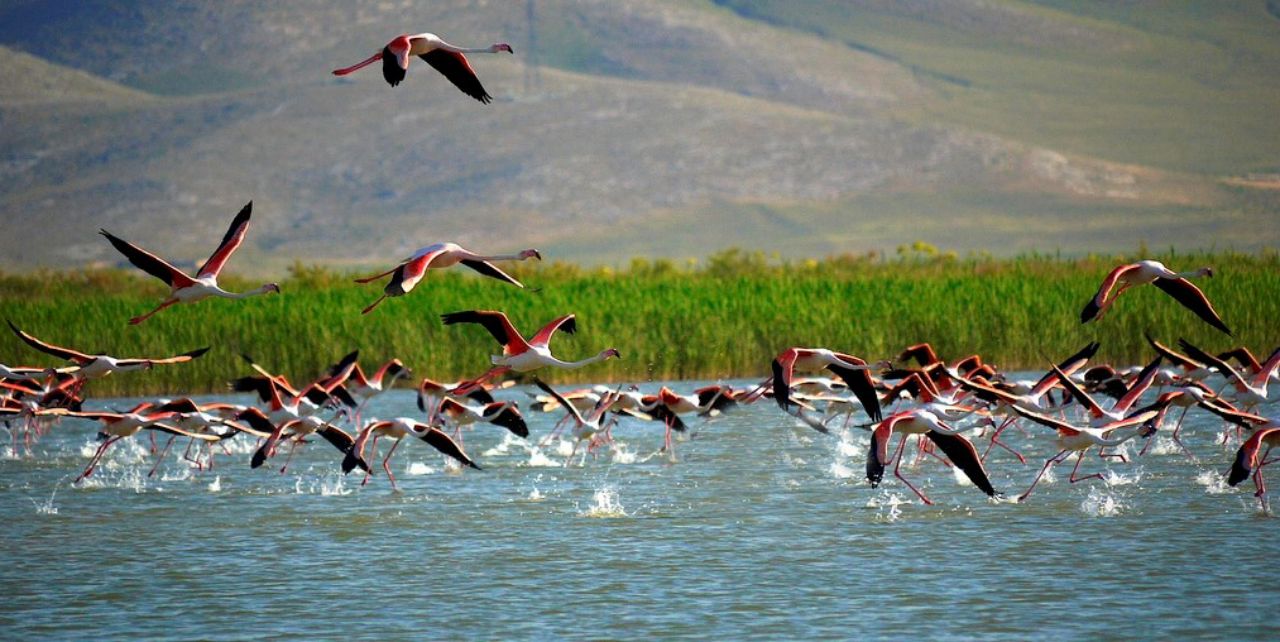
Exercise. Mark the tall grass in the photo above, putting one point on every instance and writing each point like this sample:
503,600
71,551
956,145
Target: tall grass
723,317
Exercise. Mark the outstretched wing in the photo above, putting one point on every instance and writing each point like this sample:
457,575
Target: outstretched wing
50,349
488,269
573,410
566,323
455,67
447,446
965,457
495,322
859,382
149,263
1190,296
230,241
1099,300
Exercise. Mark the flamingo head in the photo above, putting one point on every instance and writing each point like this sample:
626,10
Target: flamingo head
1206,271
501,46
531,254
271,287
611,353
399,47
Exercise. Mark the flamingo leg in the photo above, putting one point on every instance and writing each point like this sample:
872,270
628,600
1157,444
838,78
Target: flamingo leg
97,456
896,473
139,319
1047,463
1073,479
1102,454
387,466
292,449
165,451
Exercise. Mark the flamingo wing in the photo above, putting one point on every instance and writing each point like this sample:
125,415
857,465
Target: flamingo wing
1211,361
509,417
1068,367
1045,420
783,369
174,430
567,323
447,446
1140,385
50,349
455,67
1247,457
1269,366
878,452
230,242
490,270
150,263
859,382
181,358
573,410
1173,357
1099,300
1076,391
496,323
962,453
1190,296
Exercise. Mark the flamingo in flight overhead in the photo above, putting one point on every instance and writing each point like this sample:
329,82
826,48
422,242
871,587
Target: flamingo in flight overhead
184,288
519,354
94,366
1175,284
442,255
444,57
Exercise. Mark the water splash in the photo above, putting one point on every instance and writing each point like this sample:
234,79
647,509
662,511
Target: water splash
539,459
605,504
417,469
337,486
1112,478
216,484
841,471
623,455
1214,483
888,507
1164,447
1101,503
47,507
536,495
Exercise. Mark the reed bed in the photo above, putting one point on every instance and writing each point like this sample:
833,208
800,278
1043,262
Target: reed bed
723,317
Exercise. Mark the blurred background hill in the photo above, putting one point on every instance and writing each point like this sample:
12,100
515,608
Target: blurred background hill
639,127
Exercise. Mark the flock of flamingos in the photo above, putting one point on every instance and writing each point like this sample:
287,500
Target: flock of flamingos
926,397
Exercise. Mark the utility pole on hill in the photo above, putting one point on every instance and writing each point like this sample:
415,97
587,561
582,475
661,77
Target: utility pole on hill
532,80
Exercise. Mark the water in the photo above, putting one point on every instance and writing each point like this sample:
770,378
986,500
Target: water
762,528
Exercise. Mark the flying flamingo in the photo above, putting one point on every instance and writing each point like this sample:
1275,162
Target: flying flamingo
519,354
444,57
438,256
1099,416
1249,392
589,427
500,413
1248,461
923,422
852,370
117,426
1078,439
402,427
1175,284
186,289
94,366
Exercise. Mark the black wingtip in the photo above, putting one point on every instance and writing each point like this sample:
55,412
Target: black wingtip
197,353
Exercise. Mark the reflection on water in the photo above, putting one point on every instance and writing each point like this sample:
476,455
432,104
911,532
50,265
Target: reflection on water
762,528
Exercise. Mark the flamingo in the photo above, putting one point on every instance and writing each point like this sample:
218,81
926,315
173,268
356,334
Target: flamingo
852,370
923,422
1249,392
444,57
500,413
519,354
439,256
117,426
1192,370
1099,416
184,288
1175,284
95,366
402,427
1078,439
1248,461
587,427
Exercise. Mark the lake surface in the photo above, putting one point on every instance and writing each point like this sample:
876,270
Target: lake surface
762,529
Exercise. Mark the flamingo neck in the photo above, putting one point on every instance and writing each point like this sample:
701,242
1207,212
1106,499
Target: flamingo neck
360,65
263,289
571,365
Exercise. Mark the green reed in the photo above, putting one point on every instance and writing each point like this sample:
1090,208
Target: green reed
726,316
